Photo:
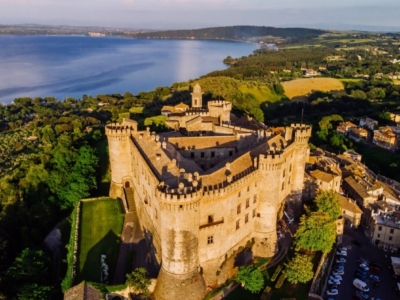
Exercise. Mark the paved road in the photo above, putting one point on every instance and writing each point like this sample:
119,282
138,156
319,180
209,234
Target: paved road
385,290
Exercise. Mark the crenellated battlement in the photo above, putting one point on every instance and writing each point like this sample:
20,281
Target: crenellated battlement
226,105
232,184
118,130
302,129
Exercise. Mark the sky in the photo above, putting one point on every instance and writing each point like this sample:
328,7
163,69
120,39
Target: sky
190,14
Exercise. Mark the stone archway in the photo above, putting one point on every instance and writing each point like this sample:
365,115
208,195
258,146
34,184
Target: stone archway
127,184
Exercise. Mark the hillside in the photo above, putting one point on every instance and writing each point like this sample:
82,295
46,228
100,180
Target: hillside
233,33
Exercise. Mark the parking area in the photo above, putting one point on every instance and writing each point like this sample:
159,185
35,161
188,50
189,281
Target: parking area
386,289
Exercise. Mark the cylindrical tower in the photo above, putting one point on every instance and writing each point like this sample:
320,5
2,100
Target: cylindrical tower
301,153
120,158
269,190
179,277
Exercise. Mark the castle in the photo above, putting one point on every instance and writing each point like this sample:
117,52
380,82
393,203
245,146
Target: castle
206,190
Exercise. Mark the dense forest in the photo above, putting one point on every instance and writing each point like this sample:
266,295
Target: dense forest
233,33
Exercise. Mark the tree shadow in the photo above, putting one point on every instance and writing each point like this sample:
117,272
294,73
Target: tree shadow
91,270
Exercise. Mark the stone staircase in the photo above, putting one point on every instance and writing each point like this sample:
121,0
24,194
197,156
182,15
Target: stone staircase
130,199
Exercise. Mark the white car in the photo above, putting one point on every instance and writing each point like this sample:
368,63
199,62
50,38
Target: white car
333,281
364,267
338,272
332,292
340,260
342,253
342,249
338,277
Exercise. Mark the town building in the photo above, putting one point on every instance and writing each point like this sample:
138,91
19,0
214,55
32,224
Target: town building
384,225
358,134
350,211
369,123
387,137
205,191
344,127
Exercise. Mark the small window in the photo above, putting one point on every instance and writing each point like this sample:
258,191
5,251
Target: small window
380,228
254,213
255,199
284,173
156,213
290,168
391,230
248,189
247,203
239,209
258,216
283,186
239,194
212,154
255,184
210,219
246,218
210,239
390,238
230,153
237,224
180,206
378,235
202,154
191,154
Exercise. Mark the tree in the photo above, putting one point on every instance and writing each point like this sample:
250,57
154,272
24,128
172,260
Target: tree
328,202
139,281
279,89
316,232
358,94
257,114
299,269
251,278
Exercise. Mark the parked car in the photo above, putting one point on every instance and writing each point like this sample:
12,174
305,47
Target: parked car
333,281
361,277
357,243
374,278
332,286
361,272
362,294
361,285
343,253
338,272
363,267
374,269
342,249
363,261
375,264
338,277
332,292
340,260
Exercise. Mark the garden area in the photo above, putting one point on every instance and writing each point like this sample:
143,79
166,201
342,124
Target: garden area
100,228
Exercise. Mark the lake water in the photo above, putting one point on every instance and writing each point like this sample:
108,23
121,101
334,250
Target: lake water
63,66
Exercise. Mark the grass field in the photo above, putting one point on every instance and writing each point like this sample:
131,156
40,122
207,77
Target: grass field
262,93
396,81
304,86
99,233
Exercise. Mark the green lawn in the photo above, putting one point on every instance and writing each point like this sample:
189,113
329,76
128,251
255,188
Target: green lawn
99,233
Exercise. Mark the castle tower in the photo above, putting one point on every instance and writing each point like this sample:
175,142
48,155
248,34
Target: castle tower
197,96
120,158
179,277
302,133
269,200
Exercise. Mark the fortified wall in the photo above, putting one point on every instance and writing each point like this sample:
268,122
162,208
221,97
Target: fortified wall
201,200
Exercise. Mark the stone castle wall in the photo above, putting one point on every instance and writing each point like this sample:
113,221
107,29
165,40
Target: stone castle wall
199,232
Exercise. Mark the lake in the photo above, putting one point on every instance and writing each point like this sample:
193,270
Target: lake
71,66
